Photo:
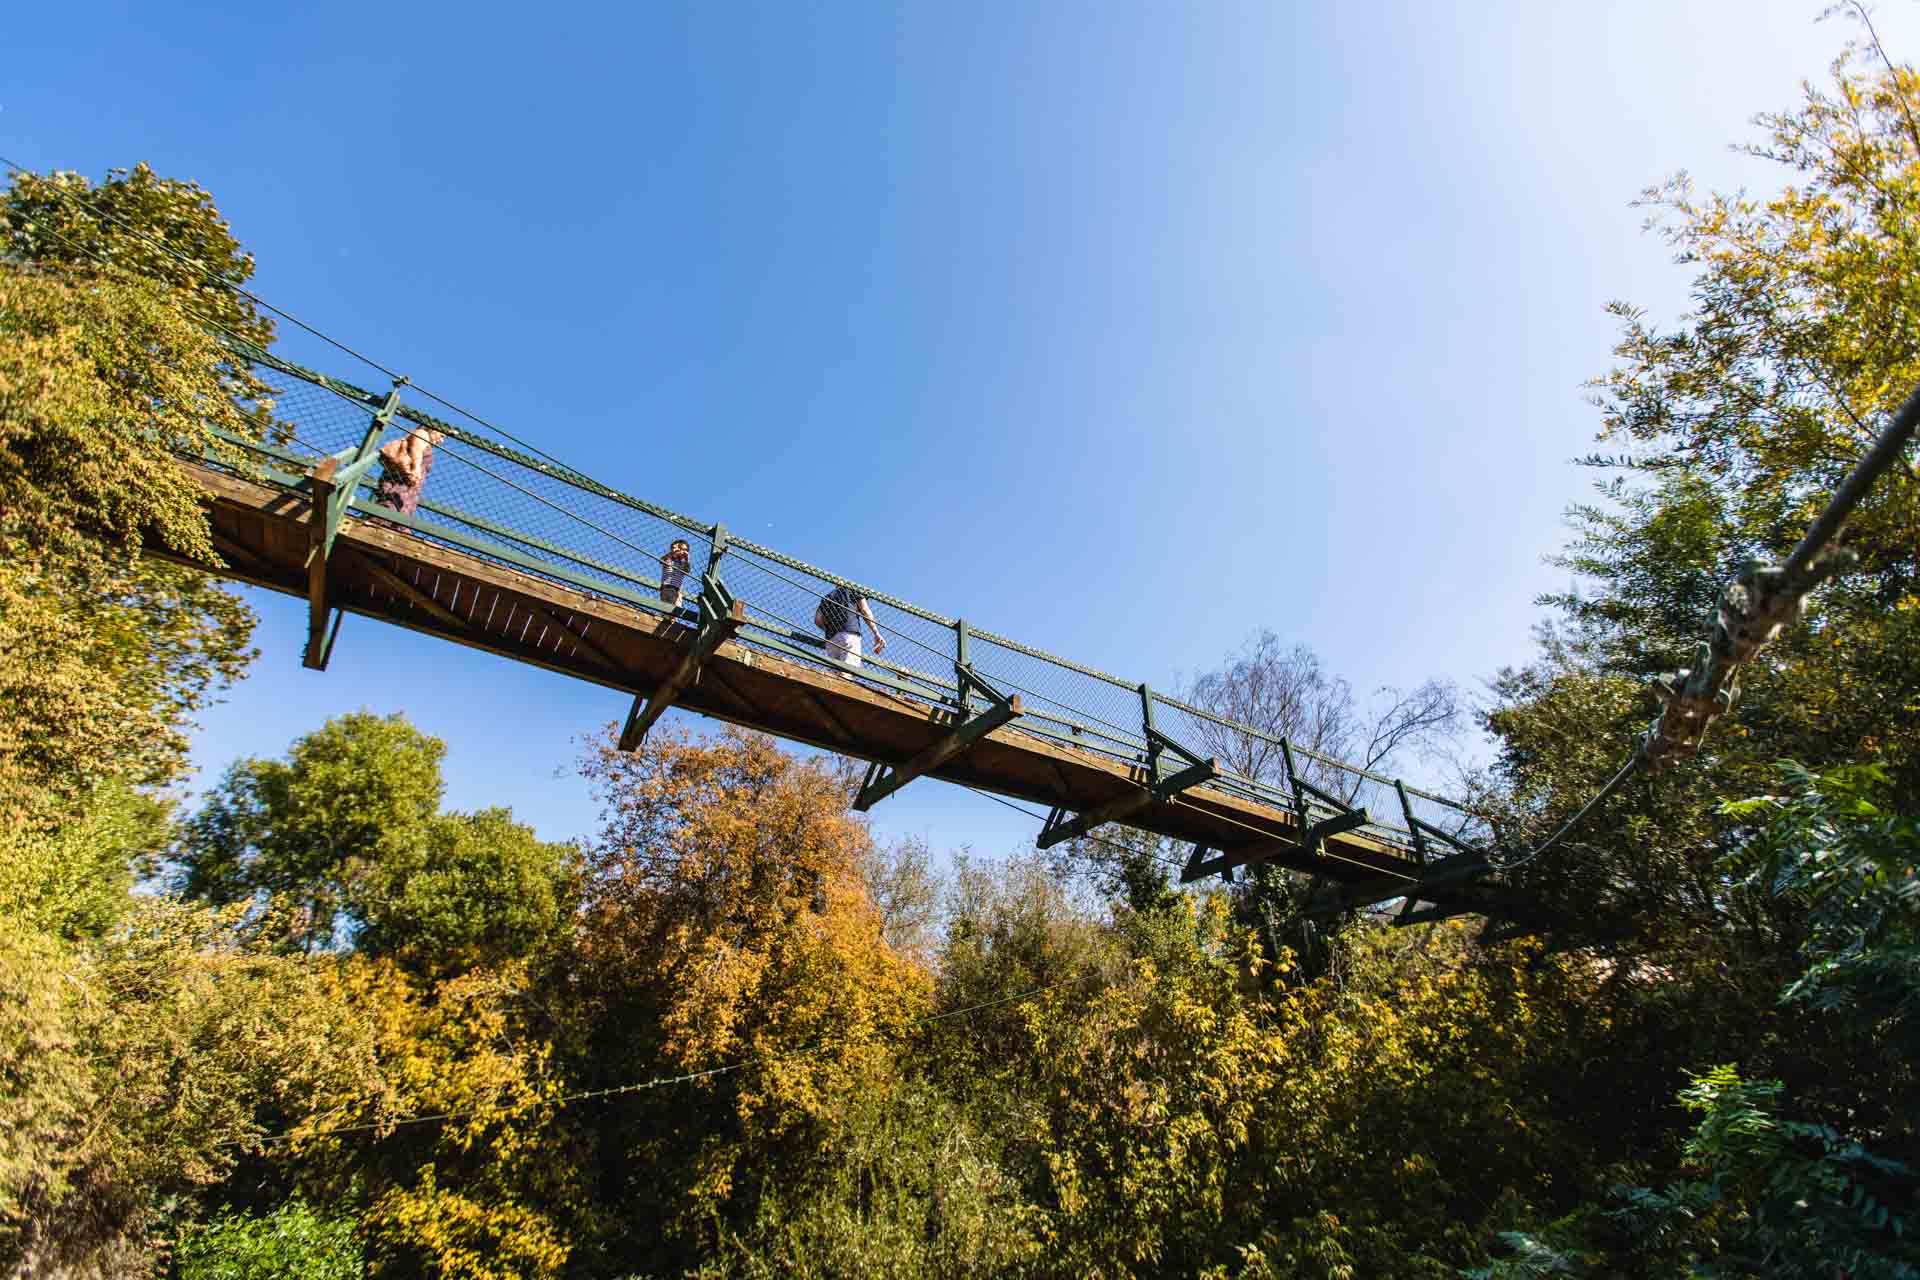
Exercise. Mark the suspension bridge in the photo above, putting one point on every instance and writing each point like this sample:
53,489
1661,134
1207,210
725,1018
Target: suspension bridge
521,556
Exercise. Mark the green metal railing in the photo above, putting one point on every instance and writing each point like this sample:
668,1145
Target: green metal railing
501,503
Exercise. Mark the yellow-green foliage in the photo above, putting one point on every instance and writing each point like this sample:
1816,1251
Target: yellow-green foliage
1204,1112
100,655
486,1192
726,924
146,1061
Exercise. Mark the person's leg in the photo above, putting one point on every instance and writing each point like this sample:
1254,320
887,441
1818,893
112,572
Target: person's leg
845,648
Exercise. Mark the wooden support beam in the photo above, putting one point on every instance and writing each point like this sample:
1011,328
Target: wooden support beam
648,708
840,730
321,499
710,677
957,739
411,594
549,619
238,557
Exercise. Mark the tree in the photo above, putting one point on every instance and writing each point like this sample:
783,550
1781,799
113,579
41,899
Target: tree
905,889
484,890
448,1140
1819,1180
146,1062
726,934
291,1243
357,794
102,654
139,224
1286,694
347,831
1736,425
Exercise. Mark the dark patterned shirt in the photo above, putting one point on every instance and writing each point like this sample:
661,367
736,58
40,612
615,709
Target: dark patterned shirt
840,610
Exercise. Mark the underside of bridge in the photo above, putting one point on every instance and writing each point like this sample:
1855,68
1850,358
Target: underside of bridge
302,536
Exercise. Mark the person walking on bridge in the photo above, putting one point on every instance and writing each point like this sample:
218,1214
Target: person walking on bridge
404,464
838,617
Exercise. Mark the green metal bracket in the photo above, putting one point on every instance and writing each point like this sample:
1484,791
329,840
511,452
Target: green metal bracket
718,543
1199,866
1158,743
333,633
882,782
721,616
1413,823
1059,827
354,465
1454,870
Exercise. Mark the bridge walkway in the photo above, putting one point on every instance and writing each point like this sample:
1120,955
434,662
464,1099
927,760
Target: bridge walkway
520,556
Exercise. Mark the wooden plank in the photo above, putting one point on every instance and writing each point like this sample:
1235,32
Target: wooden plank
606,659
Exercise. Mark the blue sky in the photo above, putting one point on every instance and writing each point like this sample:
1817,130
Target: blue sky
1123,329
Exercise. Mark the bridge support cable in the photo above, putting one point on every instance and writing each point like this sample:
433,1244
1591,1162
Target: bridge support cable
1754,608
721,617
968,728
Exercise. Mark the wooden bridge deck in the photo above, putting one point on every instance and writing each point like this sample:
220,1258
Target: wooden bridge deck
264,534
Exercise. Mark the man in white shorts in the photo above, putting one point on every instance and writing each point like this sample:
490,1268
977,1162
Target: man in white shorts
838,617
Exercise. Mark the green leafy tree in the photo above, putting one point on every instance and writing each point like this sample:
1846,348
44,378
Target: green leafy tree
72,878
102,653
358,794
140,224
482,891
140,1068
106,367
1819,1181
346,831
292,1242
1733,428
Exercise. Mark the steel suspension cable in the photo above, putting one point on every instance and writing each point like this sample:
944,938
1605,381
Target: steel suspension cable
1753,609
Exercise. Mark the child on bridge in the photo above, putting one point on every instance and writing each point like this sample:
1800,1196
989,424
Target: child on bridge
674,567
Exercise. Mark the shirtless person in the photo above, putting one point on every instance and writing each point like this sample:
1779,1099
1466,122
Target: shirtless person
404,464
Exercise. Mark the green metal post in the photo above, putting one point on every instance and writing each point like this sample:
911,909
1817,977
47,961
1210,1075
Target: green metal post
1413,825
962,665
1151,733
347,479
